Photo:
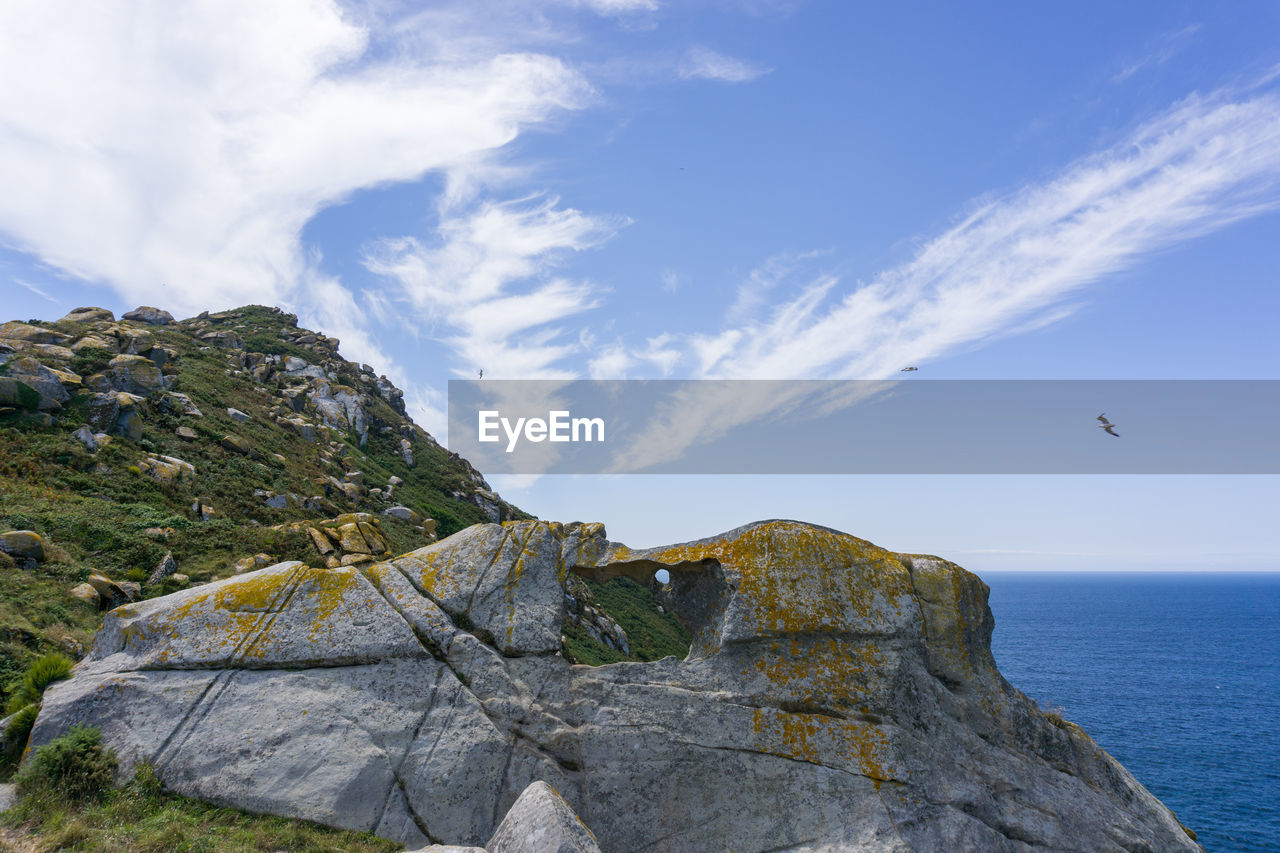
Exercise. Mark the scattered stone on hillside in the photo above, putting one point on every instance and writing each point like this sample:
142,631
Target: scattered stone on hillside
186,433
26,547
163,569
340,407
94,340
300,427
176,403
250,564
15,332
168,469
133,589
70,381
237,415
116,412
180,578
134,341
135,374
202,511
88,315
404,514
406,452
17,395
582,610
85,436
541,821
394,481
236,444
159,534
349,539
40,379
110,593
148,314
223,339
85,592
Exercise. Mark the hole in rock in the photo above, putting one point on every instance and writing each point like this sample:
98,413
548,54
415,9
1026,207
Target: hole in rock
642,610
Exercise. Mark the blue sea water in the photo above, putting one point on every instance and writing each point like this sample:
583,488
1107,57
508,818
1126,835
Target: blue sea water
1176,675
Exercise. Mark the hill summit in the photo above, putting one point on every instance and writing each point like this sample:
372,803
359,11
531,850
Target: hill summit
142,455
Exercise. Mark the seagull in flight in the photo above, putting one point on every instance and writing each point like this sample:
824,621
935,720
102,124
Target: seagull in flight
482,373
1107,425
908,369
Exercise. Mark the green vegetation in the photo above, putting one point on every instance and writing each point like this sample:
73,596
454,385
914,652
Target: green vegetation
650,634
42,672
94,509
24,705
73,768
68,803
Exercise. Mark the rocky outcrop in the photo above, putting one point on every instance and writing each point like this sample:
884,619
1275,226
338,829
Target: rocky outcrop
837,696
148,314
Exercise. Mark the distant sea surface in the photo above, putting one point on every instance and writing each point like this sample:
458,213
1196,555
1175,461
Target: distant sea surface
1176,675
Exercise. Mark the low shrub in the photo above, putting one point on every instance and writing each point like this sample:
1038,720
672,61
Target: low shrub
43,671
73,768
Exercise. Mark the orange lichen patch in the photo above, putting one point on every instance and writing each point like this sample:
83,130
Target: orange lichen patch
824,740
824,671
284,614
796,578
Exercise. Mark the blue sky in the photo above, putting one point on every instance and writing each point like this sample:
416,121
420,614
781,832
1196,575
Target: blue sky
730,188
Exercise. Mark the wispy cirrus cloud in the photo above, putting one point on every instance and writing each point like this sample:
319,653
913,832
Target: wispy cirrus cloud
1008,266
1166,47
703,63
1207,162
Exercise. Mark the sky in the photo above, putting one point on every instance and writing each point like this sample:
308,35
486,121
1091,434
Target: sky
734,189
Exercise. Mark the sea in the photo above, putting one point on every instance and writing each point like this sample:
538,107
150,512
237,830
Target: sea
1176,675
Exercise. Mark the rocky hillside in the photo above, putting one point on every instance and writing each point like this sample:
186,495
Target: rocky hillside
836,696
142,455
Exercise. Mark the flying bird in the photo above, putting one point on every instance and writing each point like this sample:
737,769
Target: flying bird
1107,425
482,373
908,369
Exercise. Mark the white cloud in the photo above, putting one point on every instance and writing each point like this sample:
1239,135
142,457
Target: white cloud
702,63
33,289
616,7
1006,267
1167,46
670,281
189,144
1204,164
485,284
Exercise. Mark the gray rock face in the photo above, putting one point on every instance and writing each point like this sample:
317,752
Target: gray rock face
542,822
88,315
148,314
838,696
41,379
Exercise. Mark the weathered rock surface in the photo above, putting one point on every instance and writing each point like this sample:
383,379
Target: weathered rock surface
837,696
148,314
541,821
41,379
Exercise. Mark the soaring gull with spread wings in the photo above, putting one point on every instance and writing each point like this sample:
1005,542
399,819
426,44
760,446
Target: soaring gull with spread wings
1107,425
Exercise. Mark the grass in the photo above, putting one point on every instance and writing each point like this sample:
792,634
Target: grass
650,634
68,803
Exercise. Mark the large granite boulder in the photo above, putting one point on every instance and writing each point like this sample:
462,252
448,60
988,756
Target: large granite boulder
148,314
88,314
837,696
44,381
